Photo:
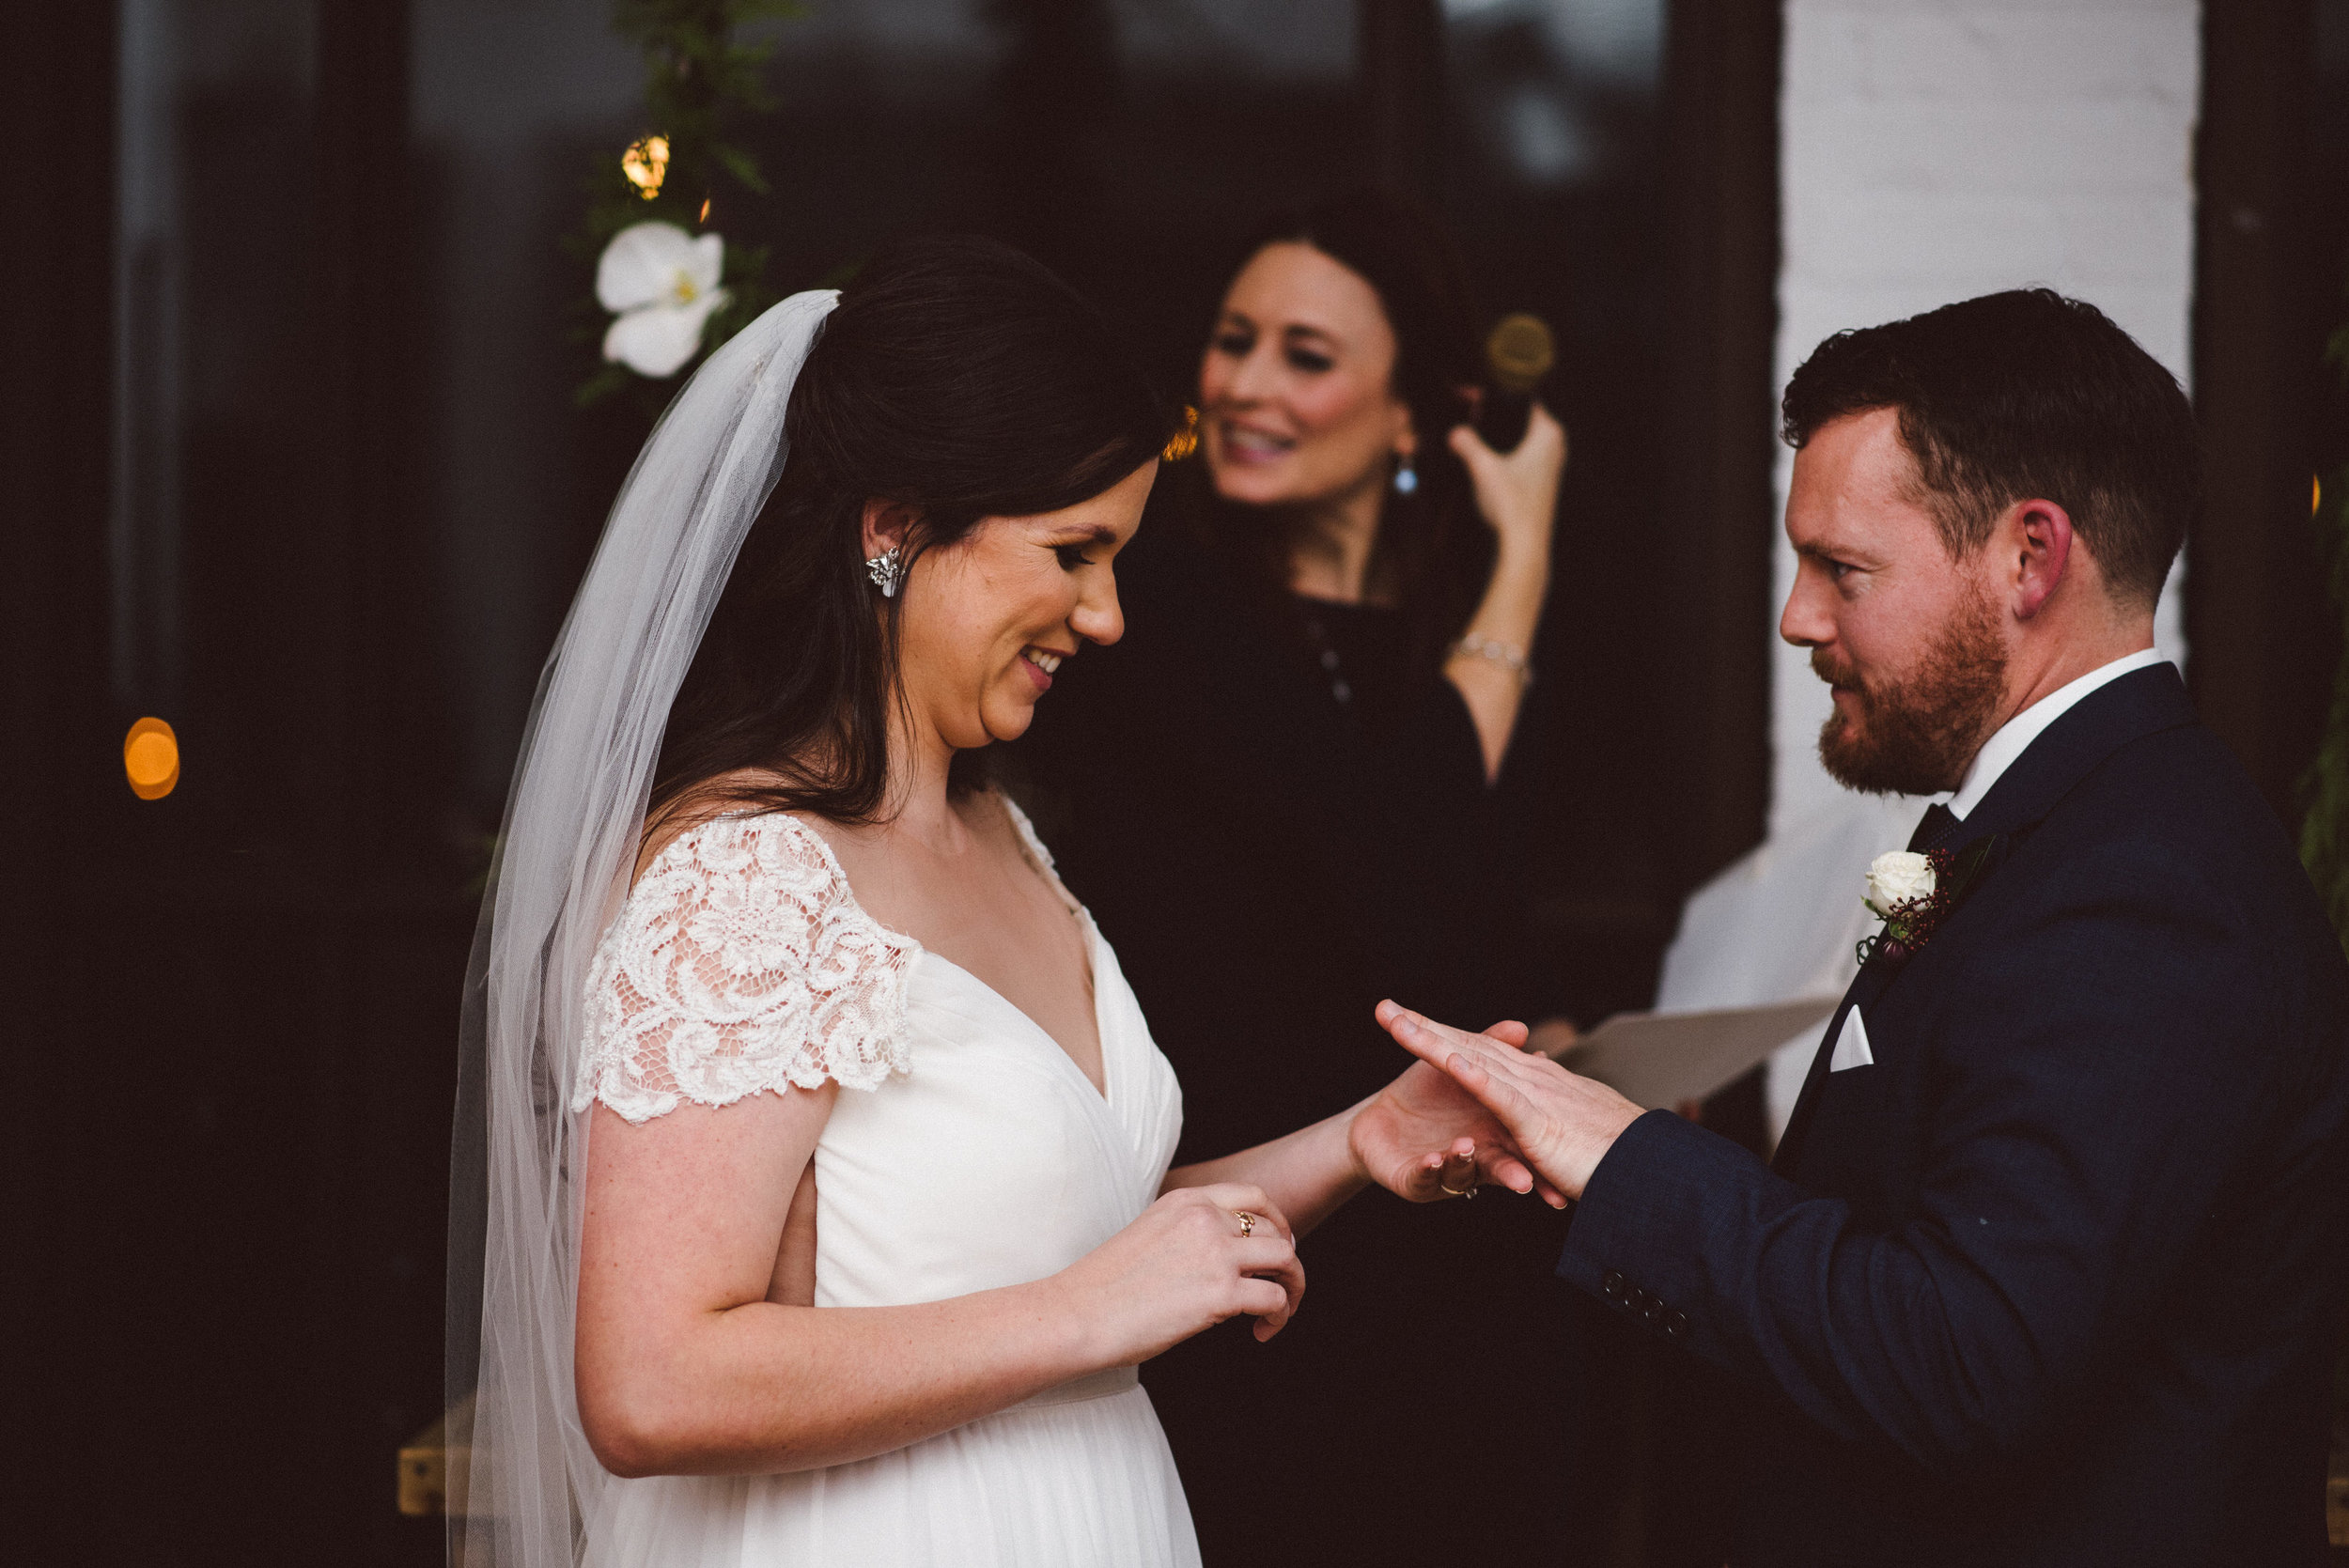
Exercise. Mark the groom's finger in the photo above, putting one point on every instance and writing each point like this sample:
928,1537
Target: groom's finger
1472,1070
1413,1031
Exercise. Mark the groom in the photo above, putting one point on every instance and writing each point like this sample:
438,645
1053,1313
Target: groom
2049,1266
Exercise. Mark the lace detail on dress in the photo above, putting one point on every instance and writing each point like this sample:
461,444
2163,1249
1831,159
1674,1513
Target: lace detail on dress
741,962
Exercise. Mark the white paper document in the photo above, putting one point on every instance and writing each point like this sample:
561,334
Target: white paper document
1659,1060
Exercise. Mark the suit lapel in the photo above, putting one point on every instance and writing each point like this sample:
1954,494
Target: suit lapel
2141,703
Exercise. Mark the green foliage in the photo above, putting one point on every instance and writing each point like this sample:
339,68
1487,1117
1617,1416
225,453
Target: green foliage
2325,831
702,78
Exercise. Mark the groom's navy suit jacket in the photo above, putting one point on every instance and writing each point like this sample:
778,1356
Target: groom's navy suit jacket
2057,1278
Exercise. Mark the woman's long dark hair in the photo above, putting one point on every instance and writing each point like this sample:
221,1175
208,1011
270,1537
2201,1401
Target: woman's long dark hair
956,378
1433,550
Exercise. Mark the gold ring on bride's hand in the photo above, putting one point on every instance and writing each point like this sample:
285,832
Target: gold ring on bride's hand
1453,1191
1247,1223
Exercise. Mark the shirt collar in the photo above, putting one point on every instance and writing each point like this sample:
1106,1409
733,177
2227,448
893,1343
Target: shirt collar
2014,737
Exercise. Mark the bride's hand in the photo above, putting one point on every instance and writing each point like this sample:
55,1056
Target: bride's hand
1187,1263
1424,1138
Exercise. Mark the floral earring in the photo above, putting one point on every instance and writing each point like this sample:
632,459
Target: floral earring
1405,476
887,570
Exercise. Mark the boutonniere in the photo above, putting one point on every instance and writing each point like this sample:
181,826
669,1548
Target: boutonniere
1913,893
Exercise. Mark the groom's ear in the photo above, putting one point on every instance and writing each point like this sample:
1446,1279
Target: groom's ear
2035,539
886,525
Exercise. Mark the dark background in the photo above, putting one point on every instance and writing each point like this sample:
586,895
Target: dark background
290,460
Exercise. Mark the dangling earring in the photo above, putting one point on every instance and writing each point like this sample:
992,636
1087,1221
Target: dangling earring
887,570
1406,477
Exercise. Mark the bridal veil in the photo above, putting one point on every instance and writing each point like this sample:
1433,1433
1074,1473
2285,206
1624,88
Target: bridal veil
522,1496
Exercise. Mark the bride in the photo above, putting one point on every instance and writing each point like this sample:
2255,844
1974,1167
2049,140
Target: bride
823,1146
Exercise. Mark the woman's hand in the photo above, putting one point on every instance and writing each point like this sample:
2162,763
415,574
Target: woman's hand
1517,493
1187,1263
1423,1138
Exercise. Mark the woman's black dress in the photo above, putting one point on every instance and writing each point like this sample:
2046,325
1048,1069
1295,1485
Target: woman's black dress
1277,825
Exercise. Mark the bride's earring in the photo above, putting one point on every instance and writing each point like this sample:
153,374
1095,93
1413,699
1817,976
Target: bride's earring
887,570
1406,477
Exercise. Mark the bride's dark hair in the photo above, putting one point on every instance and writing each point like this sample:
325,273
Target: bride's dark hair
956,378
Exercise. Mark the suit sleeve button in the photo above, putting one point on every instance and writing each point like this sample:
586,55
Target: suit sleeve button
1677,1325
1611,1285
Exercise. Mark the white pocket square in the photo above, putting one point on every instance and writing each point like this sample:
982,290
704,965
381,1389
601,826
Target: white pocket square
1851,1046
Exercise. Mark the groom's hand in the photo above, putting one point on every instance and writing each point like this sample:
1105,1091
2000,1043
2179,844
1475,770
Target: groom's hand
1563,1125
1424,1138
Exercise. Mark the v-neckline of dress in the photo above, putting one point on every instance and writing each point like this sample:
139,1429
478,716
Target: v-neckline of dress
1102,1091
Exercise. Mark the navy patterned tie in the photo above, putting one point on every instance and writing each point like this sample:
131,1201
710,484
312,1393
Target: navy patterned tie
1939,825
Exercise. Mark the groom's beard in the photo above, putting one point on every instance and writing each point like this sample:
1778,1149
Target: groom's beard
1917,736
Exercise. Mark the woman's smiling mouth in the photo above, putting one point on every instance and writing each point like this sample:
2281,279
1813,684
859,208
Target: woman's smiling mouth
1248,444
1041,664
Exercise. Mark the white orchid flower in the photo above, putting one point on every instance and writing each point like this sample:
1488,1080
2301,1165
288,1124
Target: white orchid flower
662,284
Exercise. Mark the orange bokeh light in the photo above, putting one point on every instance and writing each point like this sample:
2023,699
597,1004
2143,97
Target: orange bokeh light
646,165
150,759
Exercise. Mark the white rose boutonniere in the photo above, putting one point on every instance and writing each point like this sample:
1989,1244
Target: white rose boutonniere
1914,893
1898,877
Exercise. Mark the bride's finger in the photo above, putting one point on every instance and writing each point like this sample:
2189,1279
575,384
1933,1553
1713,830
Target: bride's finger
1268,1303
1457,1175
1275,1263
1441,1174
1241,1197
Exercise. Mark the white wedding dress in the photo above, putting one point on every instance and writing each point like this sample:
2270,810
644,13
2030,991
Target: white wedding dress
967,1152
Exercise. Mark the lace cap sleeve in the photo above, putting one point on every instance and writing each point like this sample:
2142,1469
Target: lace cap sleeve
740,963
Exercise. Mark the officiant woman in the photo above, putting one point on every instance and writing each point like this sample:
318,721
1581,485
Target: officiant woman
1277,794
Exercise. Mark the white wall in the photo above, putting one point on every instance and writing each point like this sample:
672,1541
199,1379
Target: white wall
1930,150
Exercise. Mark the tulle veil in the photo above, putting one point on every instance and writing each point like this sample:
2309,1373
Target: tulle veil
522,1483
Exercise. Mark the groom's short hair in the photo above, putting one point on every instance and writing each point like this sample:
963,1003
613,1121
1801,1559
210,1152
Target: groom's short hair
2023,396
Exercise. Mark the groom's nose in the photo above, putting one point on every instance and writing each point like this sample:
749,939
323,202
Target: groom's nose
1808,621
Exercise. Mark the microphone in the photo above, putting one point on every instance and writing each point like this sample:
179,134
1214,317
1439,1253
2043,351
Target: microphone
1518,352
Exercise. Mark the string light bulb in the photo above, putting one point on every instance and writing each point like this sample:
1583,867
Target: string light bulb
646,165
150,759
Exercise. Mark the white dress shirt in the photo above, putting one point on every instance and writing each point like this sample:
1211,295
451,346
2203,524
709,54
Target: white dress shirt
2014,737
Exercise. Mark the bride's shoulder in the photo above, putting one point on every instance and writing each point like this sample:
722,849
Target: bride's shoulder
715,831
740,962
765,887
